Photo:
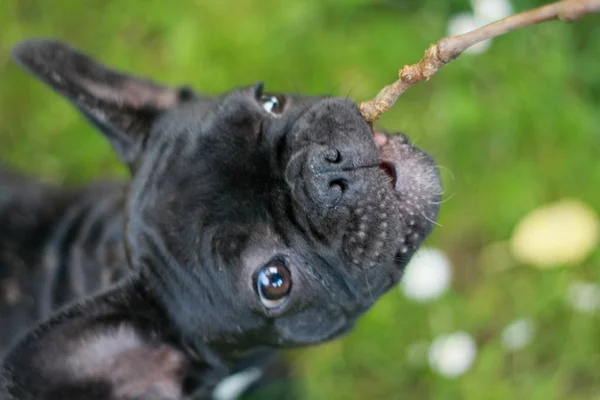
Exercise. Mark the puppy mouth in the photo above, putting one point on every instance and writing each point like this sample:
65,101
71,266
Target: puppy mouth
408,168
386,165
397,211
414,178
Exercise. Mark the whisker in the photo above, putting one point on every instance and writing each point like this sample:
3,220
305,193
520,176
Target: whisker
415,139
369,288
442,201
447,170
350,93
430,184
430,220
299,94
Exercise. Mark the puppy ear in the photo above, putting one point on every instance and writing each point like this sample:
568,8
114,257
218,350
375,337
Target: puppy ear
109,346
121,106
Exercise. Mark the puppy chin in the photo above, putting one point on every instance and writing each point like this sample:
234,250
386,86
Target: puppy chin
299,331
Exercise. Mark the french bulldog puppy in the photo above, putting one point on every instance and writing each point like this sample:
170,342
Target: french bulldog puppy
252,221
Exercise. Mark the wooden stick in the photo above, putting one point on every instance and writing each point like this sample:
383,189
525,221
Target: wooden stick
447,49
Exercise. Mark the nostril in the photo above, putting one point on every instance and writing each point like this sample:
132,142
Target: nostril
333,156
339,185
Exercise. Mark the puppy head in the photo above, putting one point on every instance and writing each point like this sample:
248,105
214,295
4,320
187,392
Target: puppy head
257,219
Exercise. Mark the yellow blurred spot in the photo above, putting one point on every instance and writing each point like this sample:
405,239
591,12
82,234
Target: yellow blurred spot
562,233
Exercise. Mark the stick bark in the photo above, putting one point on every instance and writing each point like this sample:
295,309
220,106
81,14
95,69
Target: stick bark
447,49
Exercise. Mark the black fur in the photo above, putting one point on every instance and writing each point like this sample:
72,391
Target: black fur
147,289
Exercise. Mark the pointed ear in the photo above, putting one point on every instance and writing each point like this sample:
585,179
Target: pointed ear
121,106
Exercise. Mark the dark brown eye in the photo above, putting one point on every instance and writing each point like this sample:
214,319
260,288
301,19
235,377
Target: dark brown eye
272,104
273,284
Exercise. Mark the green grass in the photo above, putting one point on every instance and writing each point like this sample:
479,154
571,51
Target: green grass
514,128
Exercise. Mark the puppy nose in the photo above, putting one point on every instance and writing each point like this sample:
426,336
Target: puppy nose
328,178
331,155
326,159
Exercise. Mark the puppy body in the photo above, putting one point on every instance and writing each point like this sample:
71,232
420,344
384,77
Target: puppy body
59,246
252,221
56,246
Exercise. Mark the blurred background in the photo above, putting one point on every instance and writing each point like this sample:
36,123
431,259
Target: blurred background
504,301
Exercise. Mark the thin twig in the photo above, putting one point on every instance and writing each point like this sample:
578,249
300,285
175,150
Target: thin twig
447,49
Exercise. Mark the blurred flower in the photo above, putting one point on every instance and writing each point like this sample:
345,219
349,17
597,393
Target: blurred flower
584,296
463,23
452,355
427,275
416,353
484,12
560,233
518,334
487,11
234,385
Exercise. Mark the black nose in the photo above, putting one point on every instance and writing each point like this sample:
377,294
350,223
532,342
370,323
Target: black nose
329,176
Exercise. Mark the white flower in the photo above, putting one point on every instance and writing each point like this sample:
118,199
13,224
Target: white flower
427,275
452,355
463,23
556,234
487,11
584,296
518,334
484,12
234,385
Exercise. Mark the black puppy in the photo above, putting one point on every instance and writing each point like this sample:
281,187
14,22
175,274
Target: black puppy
252,221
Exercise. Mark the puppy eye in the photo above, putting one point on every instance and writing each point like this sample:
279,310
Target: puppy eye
273,283
272,104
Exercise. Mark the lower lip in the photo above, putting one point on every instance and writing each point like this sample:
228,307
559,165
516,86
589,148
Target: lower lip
380,139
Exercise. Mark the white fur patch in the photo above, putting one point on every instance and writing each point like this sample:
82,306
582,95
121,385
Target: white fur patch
97,351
